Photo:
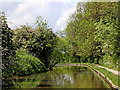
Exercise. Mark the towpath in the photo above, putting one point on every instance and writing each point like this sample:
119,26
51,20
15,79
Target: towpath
111,70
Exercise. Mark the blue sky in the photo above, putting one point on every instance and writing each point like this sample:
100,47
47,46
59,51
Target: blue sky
24,12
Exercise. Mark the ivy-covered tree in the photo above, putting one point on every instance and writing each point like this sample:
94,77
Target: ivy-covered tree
8,49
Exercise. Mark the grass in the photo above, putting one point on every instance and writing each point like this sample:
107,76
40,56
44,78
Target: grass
111,67
114,78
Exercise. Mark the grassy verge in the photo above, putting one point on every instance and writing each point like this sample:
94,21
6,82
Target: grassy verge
110,67
114,78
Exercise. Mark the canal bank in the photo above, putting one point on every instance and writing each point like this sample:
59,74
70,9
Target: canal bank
101,74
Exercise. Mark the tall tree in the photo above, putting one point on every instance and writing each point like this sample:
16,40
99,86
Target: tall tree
8,49
93,29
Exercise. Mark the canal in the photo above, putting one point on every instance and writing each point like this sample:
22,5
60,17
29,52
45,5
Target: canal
62,77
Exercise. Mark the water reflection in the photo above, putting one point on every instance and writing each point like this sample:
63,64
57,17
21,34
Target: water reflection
62,77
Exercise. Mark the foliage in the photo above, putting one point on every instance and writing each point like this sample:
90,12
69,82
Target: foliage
8,49
62,51
40,41
43,44
22,35
79,32
107,32
7,44
93,32
27,64
31,44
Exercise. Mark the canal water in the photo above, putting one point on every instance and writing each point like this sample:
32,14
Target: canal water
62,77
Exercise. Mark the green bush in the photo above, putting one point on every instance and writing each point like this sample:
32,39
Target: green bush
27,64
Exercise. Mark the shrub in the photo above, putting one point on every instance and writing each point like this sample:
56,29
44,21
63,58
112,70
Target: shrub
27,64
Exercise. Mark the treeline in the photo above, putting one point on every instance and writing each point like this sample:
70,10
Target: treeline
29,49
94,34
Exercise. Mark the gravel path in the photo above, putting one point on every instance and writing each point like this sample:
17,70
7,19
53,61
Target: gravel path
113,71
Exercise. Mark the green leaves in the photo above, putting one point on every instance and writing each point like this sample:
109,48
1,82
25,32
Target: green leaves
8,48
40,22
27,63
40,41
80,32
92,29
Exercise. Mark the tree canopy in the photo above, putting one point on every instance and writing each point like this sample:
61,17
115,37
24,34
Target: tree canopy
93,30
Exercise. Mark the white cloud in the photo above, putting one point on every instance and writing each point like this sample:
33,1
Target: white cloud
62,21
26,12
21,21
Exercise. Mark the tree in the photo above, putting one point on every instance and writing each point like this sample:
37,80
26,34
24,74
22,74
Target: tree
80,31
22,36
93,30
39,41
8,49
43,44
107,31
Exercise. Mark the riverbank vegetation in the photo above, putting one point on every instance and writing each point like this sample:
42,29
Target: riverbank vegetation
114,78
92,35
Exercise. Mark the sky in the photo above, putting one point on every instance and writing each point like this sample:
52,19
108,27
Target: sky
22,12
56,12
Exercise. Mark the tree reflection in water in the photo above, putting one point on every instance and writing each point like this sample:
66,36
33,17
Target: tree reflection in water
62,77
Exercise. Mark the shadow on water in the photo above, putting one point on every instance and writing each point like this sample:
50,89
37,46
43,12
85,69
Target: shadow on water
44,85
62,77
